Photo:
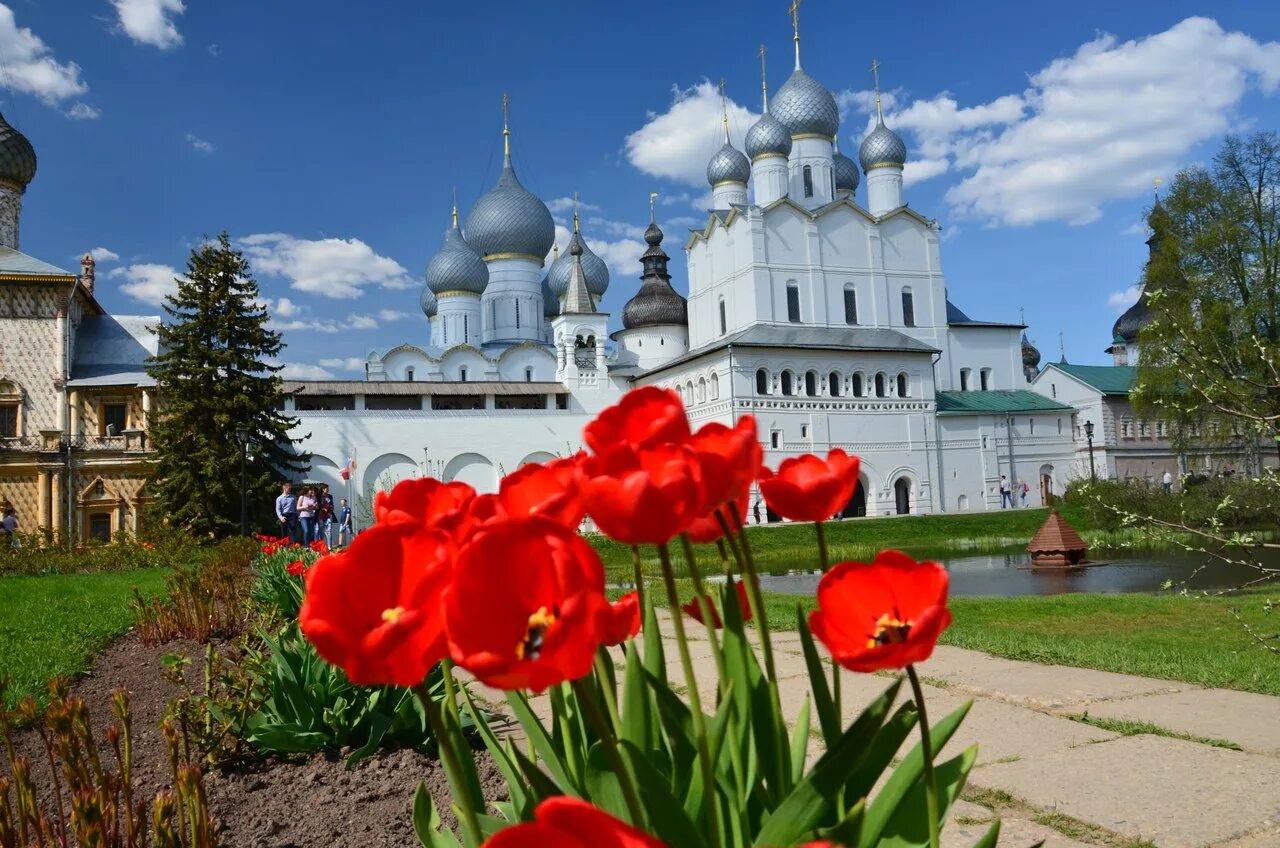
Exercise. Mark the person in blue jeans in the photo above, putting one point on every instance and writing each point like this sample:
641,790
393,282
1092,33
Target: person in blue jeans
1006,493
346,530
287,512
325,517
307,506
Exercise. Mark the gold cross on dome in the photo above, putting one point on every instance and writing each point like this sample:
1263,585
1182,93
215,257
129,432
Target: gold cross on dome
794,11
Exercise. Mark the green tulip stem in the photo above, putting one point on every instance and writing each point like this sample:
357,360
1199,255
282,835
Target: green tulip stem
450,689
728,537
704,605
757,597
695,700
824,559
638,574
610,697
724,554
587,700
452,765
926,748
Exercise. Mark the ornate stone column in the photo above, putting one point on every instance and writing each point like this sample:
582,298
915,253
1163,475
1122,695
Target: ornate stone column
42,500
58,501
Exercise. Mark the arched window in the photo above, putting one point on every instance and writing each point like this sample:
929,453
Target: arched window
462,373
850,305
902,385
408,373
908,308
859,390
528,375
811,383
724,319
702,389
965,374
793,303
762,381
688,392
787,388
808,181
880,385
833,383
715,387
984,377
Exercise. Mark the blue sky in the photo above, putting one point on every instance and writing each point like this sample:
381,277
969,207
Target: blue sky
327,137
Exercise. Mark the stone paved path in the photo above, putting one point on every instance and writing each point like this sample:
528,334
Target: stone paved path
1171,792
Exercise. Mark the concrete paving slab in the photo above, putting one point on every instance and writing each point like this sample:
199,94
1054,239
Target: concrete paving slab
1005,733
1051,687
1014,833
1251,721
1174,793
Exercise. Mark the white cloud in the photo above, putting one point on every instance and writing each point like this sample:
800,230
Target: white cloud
214,50
83,112
561,205
304,371
391,315
1122,300
306,325
1137,228
150,21
147,282
199,143
678,143
1092,127
349,363
362,322
615,228
102,254
337,268
286,308
29,66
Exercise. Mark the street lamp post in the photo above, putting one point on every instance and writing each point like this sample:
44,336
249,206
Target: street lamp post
1088,435
242,436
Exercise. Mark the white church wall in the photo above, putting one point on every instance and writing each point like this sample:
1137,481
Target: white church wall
466,364
526,363
978,348
976,452
396,364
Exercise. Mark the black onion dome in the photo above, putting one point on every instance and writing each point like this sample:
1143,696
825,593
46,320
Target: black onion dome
17,156
1129,324
1030,354
656,303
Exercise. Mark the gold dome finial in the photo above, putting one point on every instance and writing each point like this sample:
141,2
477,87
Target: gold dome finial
1155,188
653,195
795,26
575,212
724,111
455,207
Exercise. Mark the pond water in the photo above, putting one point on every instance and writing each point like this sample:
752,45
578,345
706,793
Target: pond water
1011,575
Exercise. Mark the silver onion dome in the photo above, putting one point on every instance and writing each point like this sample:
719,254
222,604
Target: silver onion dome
847,178
729,165
882,147
456,266
509,219
429,303
550,303
594,270
767,137
17,156
805,107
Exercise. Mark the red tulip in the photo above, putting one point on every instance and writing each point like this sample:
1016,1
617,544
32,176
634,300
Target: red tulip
320,546
374,609
624,619
809,488
424,501
526,609
730,459
707,528
695,610
296,568
644,496
888,614
565,822
644,417
553,490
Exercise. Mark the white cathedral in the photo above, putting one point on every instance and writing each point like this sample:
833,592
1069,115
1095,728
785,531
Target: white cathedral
823,314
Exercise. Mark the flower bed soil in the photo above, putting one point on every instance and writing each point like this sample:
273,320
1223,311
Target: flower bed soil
308,800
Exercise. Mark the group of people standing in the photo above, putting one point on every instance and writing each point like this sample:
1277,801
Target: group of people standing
310,515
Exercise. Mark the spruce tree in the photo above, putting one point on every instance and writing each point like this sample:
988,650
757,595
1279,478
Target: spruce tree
215,378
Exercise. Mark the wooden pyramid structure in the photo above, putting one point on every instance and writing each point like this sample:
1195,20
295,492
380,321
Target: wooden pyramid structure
1057,543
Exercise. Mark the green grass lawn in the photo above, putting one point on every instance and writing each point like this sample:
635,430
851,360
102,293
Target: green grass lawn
1191,639
54,624
781,547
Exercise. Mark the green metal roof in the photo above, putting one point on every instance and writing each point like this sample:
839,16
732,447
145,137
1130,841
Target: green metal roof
998,402
17,263
1108,379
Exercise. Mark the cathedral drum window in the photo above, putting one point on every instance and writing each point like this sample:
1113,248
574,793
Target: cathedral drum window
807,175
